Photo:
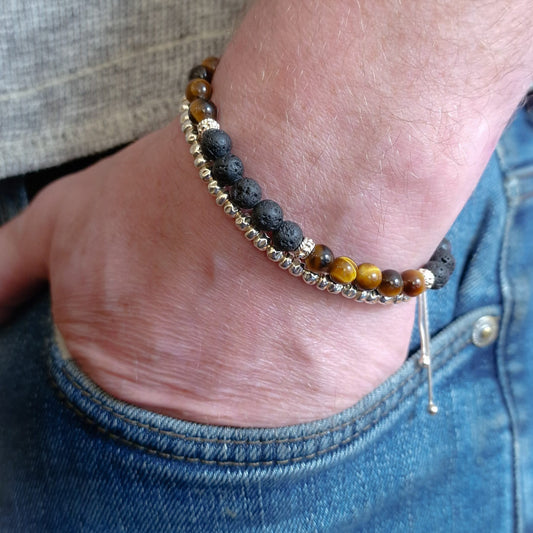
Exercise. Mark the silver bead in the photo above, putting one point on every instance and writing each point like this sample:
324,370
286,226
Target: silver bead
187,125
429,277
310,277
199,160
191,137
274,255
184,116
360,295
184,104
387,300
261,242
242,222
213,187
296,269
195,149
230,209
322,283
251,234
221,198
207,124
306,247
285,263
187,131
349,291
205,173
335,288
372,297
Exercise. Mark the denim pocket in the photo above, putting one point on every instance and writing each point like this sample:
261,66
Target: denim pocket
381,463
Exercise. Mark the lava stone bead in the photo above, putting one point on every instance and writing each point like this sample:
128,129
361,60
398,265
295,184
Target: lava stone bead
246,193
440,271
287,237
444,246
267,216
227,170
199,71
444,257
215,144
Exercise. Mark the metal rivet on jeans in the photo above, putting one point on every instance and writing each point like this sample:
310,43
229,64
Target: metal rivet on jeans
485,331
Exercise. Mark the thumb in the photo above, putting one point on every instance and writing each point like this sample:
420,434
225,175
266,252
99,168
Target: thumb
24,247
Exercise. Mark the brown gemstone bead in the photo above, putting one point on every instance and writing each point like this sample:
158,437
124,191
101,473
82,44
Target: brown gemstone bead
368,276
413,282
343,270
200,109
320,259
210,63
391,283
198,88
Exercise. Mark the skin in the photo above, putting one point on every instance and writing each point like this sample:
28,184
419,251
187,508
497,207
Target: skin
370,122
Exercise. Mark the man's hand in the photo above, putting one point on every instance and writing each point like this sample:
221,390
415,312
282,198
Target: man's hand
369,123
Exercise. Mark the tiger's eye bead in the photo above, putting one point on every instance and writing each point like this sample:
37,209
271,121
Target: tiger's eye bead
391,283
210,63
199,71
343,270
413,282
201,109
320,259
368,276
198,88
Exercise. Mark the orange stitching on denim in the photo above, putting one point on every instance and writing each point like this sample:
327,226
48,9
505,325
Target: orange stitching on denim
254,464
286,440
295,459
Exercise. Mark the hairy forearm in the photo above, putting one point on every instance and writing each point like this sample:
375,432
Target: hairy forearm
370,122
371,101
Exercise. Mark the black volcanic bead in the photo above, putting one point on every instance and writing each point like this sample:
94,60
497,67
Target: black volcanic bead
227,170
267,215
441,273
446,258
215,144
444,246
199,72
287,237
246,193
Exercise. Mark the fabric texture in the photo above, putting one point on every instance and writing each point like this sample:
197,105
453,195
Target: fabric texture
75,459
80,77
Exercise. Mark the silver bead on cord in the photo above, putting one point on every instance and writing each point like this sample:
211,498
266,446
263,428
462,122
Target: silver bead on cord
206,124
429,277
292,262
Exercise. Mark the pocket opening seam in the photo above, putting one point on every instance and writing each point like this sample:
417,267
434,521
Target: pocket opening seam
281,462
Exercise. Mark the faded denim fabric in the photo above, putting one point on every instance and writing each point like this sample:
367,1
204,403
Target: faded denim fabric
74,459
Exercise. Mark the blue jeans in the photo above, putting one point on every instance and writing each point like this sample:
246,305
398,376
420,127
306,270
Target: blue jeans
72,458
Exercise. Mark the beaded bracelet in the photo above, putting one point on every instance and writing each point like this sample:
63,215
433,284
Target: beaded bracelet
261,221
